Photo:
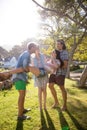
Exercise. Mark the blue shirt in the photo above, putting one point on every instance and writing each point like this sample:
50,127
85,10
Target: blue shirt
40,63
23,61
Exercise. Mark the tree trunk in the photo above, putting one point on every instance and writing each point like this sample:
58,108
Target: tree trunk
68,70
83,78
71,56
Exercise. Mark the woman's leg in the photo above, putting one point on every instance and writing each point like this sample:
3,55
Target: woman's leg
54,94
64,95
44,96
21,100
40,97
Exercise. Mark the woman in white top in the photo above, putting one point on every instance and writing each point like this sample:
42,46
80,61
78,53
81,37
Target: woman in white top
41,81
53,64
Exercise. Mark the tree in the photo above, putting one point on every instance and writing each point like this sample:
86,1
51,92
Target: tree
81,51
83,78
74,14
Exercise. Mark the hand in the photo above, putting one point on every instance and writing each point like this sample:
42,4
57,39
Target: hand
4,76
34,70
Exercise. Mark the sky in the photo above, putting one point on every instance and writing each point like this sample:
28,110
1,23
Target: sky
19,20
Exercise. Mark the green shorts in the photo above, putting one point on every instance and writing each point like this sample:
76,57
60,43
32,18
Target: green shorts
20,85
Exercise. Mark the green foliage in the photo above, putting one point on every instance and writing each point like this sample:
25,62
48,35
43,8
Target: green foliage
49,42
81,51
48,51
69,20
74,67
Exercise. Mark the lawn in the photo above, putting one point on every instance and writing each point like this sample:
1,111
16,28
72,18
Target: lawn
75,118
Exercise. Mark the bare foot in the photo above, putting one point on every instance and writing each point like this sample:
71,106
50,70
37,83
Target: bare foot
64,108
55,105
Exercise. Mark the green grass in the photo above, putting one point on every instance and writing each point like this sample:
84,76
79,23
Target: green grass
75,118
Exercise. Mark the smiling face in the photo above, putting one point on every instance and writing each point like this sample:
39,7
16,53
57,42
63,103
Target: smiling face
59,46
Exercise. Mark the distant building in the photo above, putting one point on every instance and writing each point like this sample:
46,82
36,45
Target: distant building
10,63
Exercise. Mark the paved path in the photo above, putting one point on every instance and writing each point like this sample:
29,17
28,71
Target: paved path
75,75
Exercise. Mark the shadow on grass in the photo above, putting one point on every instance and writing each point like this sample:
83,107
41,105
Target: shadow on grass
63,122
80,112
46,124
19,125
76,123
76,106
50,123
43,121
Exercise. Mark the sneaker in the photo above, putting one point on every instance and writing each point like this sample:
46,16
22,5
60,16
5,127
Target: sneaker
26,110
21,118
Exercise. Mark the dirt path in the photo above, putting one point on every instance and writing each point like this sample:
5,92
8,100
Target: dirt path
75,75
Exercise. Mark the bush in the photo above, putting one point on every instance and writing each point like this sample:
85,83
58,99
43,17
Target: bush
74,67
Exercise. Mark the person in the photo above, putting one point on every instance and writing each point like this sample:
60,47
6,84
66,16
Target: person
20,79
59,77
40,81
53,64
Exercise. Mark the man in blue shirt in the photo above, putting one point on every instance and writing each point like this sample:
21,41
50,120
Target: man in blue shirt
20,79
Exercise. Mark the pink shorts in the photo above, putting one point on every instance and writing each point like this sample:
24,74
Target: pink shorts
59,80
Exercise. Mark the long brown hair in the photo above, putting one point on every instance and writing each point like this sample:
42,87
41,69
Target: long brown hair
63,43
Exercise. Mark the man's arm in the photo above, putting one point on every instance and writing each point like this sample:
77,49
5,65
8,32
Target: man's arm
5,75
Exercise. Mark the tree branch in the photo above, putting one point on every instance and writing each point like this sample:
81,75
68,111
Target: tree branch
82,6
61,14
47,9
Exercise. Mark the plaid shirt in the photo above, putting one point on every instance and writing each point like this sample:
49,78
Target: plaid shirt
63,57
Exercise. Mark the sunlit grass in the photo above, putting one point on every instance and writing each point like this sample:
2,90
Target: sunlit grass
52,119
